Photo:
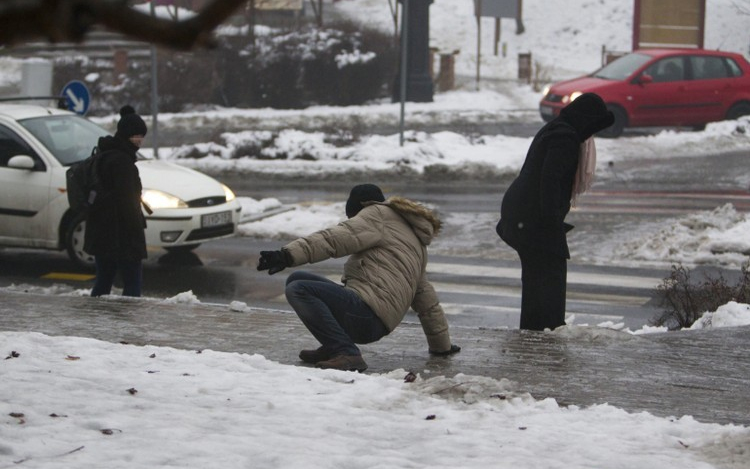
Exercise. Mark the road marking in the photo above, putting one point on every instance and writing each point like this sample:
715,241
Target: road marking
661,202
610,280
732,194
69,276
572,295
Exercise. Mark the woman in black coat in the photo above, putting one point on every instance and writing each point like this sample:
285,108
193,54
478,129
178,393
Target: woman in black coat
532,216
115,224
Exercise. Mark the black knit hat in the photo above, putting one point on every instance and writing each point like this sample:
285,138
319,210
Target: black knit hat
130,123
362,193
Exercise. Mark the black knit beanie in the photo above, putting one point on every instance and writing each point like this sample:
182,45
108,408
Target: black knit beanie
130,123
362,193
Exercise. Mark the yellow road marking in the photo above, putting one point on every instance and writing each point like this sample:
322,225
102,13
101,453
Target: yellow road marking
68,276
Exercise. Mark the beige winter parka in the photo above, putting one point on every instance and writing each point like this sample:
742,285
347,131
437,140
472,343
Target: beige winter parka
387,244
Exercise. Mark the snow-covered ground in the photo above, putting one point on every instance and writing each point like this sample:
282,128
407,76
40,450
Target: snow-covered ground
73,402
83,403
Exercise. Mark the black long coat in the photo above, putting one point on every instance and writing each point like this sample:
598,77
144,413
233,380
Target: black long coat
533,211
535,205
114,229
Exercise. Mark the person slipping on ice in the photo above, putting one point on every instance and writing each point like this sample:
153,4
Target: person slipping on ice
385,275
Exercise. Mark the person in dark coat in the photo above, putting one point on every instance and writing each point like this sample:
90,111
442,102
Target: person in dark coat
533,211
115,224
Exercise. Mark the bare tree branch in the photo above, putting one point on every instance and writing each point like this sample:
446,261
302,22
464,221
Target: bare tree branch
317,11
70,20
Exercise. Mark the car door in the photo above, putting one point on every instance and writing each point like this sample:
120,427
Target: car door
663,98
711,88
24,195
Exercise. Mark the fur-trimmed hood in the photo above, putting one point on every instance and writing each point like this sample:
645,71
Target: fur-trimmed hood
424,222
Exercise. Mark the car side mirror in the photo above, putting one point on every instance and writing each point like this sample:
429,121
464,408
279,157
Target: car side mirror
645,79
21,162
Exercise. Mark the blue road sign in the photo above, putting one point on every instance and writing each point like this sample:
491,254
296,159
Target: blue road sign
77,96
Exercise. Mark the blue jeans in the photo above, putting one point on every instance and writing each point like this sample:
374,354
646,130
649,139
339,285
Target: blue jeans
337,317
106,269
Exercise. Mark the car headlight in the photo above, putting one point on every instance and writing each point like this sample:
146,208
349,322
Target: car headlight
228,193
158,199
574,95
545,90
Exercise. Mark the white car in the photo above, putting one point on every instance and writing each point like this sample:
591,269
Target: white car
38,144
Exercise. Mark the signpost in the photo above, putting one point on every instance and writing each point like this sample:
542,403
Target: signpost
404,64
77,96
495,9
155,92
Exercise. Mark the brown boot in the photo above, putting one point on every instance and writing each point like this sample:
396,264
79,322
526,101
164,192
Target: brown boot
344,363
314,356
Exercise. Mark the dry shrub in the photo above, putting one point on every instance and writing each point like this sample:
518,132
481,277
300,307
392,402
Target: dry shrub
686,300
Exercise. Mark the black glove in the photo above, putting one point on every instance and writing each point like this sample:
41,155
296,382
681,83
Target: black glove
451,351
273,261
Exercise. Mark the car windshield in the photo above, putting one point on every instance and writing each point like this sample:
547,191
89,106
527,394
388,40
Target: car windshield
69,138
621,68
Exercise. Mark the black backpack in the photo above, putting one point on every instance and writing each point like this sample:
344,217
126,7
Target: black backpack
83,184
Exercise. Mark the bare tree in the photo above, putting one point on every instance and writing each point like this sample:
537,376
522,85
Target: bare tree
70,20
317,6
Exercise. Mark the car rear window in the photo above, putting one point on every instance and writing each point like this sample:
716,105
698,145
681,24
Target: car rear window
706,67
735,69
622,68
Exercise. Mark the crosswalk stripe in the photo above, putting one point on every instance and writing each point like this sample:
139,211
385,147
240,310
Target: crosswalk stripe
667,203
572,295
603,279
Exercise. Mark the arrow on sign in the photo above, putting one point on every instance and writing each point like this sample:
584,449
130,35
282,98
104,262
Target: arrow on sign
78,104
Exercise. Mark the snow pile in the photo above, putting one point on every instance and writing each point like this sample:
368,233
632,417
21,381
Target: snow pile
293,152
602,333
187,298
718,236
731,314
252,207
77,402
301,221
239,306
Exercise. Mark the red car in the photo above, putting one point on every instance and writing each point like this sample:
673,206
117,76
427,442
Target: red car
662,87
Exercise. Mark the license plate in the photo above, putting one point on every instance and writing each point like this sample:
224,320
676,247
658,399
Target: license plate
215,219
546,110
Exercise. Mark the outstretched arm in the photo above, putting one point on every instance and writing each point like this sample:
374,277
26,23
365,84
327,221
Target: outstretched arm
432,318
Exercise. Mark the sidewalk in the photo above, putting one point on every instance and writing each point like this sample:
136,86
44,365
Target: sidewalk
705,373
